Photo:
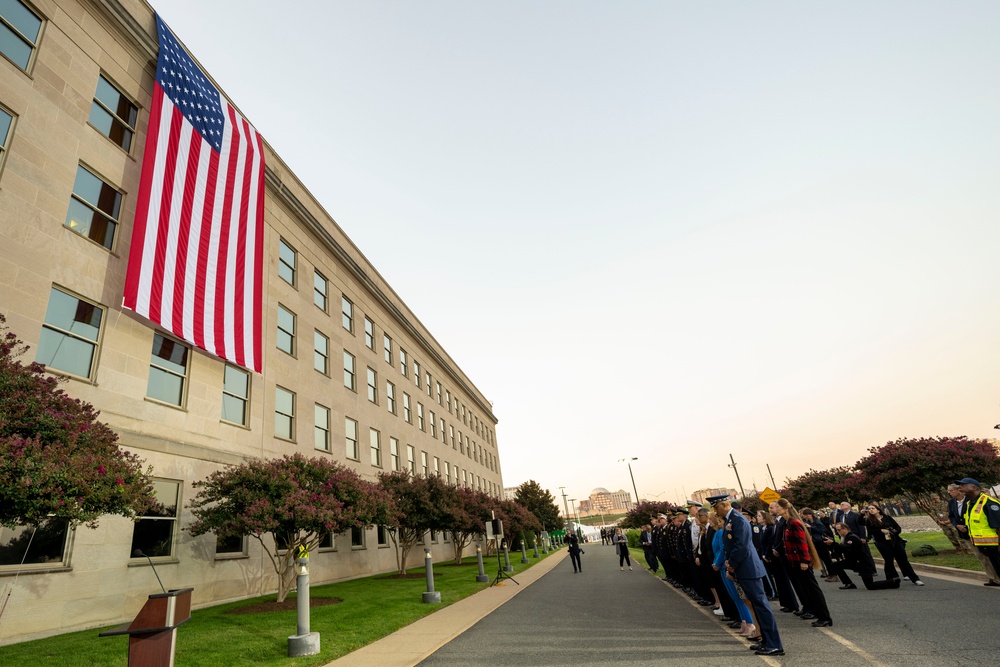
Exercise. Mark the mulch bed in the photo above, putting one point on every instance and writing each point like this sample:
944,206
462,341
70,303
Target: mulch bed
287,605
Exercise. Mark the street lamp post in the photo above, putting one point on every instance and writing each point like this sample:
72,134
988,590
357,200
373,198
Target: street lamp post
629,462
573,500
565,506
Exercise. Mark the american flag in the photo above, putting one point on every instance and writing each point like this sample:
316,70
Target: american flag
196,262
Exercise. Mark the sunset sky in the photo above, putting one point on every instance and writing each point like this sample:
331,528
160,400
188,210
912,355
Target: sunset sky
663,230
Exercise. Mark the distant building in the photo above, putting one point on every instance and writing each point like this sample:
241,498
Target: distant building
602,500
701,494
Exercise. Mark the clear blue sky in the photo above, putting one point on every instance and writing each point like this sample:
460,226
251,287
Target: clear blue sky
668,230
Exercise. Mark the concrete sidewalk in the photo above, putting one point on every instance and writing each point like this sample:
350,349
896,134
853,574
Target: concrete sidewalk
408,646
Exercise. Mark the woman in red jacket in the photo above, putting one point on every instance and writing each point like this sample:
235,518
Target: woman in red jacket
800,552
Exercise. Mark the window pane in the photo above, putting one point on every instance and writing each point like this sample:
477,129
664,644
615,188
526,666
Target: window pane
237,382
47,546
5,122
166,499
319,290
284,401
234,409
12,46
85,221
153,537
169,354
230,545
65,353
23,19
164,386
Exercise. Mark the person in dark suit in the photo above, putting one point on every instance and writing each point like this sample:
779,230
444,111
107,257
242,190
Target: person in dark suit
855,555
853,520
574,550
744,565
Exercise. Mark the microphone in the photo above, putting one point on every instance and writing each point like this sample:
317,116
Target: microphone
138,554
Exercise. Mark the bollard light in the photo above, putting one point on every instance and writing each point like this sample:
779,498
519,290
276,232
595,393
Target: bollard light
430,597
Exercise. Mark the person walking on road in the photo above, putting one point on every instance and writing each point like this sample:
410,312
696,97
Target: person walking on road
574,551
743,563
885,532
621,547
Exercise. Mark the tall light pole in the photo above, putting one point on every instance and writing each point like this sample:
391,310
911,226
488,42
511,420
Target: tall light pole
573,500
629,462
733,466
565,506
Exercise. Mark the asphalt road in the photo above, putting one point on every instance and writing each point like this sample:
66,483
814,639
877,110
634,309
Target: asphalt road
606,617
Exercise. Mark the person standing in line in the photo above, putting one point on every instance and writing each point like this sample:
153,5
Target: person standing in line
855,555
743,563
800,553
956,516
981,523
819,532
788,584
574,550
886,534
853,520
621,548
646,542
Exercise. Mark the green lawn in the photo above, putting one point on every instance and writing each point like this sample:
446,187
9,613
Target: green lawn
947,556
371,609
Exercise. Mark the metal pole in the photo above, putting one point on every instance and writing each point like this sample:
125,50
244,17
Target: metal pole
773,485
481,577
431,596
565,506
303,642
733,466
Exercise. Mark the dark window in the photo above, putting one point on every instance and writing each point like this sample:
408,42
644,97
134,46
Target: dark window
46,548
153,534
19,30
94,208
113,114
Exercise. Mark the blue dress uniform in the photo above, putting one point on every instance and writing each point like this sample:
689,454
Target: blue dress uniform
746,567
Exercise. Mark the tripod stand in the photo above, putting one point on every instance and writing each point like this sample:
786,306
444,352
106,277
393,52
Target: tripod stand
501,575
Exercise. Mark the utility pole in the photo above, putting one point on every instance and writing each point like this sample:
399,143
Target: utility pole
629,462
773,485
738,482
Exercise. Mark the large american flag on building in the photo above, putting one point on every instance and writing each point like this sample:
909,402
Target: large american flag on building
196,261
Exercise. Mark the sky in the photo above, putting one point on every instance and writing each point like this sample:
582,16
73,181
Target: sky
673,231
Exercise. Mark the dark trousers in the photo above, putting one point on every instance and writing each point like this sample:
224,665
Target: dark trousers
726,602
813,598
754,590
623,557
786,596
893,552
650,559
791,571
575,557
840,569
993,553
824,555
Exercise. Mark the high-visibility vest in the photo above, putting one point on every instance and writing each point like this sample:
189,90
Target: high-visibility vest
979,528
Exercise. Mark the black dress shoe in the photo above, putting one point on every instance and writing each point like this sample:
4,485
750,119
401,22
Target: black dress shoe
725,619
770,651
736,624
787,609
848,587
807,617
756,647
706,603
798,612
822,623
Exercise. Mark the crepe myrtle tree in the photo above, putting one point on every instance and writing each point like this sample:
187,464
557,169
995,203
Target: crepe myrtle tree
294,500
818,488
58,463
473,509
641,514
420,503
920,470
518,523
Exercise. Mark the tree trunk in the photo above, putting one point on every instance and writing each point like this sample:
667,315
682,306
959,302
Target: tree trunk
936,507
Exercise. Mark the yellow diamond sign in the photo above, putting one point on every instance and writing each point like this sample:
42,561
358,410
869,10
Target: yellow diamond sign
769,495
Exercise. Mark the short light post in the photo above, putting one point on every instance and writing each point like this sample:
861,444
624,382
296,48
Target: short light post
534,543
507,567
481,577
430,596
303,642
524,551
545,540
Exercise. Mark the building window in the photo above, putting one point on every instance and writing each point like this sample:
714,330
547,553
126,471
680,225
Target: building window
423,463
284,413
407,415
447,399
20,29
386,341
437,466
420,416
113,114
402,361
321,353
390,396
347,314
321,289
411,463
444,433
433,423
434,536
427,384
416,373
168,368
351,435
451,436
328,542
438,385
235,395
348,370
394,453
382,536
369,334
375,441
47,547
465,479
357,537
286,330
372,386
70,335
287,262
94,208
6,127
154,533
229,547
461,445
321,428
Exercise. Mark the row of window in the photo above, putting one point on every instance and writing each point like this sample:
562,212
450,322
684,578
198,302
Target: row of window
288,270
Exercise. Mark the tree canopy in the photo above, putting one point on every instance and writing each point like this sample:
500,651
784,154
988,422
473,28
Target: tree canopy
420,503
56,458
541,503
294,499
817,488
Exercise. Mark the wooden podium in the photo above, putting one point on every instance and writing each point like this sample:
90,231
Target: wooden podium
153,633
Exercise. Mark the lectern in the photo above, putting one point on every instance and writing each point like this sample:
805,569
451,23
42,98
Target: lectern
153,633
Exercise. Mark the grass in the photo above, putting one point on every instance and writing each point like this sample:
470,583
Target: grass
947,556
372,608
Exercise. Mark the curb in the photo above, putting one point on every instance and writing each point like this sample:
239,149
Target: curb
941,570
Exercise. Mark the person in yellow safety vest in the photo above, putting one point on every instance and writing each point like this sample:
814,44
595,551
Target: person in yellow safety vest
982,519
